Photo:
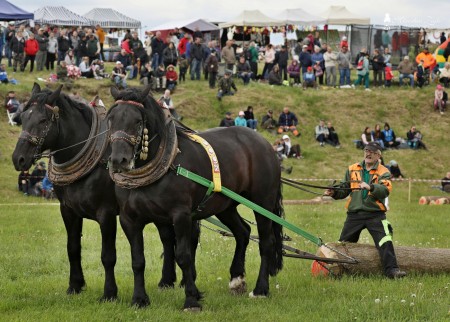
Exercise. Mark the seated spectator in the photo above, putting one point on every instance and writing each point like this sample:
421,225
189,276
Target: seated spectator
227,121
388,75
415,139
275,77
444,77
294,72
322,133
244,70
226,83
288,122
439,102
62,73
98,69
160,75
446,183
47,188
240,119
406,70
70,58
3,74
24,182
395,170
119,75
290,150
420,74
268,122
389,137
250,118
147,76
166,101
37,176
85,68
309,79
11,102
127,64
171,78
378,135
278,147
366,136
333,137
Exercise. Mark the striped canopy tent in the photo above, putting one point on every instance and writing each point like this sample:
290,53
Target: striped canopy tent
109,18
59,16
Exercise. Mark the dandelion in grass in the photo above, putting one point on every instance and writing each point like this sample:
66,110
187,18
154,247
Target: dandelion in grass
403,301
377,301
413,295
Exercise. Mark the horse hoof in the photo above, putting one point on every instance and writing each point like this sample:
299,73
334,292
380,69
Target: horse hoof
141,303
238,286
74,290
253,296
108,298
165,286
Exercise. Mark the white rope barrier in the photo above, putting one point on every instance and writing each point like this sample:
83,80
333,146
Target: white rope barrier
393,179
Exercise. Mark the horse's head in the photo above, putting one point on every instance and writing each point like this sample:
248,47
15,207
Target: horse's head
39,127
128,122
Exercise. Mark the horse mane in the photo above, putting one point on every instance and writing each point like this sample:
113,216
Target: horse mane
63,100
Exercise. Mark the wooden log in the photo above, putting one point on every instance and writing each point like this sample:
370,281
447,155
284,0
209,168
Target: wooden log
410,259
425,200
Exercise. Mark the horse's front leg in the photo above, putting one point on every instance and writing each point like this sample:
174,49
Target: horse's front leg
134,233
108,226
74,228
183,232
167,236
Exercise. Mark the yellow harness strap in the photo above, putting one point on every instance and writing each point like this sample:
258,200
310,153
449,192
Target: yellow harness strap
213,158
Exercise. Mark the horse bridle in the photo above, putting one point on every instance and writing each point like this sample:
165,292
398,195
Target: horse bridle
135,140
38,141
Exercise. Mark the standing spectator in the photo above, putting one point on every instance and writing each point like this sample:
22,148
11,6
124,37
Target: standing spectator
288,122
282,58
305,59
206,53
252,122
268,122
183,65
322,133
196,59
212,65
389,137
74,43
442,39
244,70
439,102
344,58
182,44
253,59
318,64
378,68
170,56
63,45
330,59
420,74
9,35
119,75
226,83
363,71
171,78
92,48
269,58
368,184
229,55
240,119
101,40
406,69
52,49
41,55
294,72
18,50
31,49
446,183
387,55
125,45
227,121
333,137
157,50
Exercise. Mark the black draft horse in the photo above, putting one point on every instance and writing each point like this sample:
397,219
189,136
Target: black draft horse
248,166
91,196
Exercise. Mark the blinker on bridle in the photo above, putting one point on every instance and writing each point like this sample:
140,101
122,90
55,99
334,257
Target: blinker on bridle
132,139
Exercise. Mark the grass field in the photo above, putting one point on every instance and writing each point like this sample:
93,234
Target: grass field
33,260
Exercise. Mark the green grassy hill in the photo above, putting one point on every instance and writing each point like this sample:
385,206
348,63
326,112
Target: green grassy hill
349,110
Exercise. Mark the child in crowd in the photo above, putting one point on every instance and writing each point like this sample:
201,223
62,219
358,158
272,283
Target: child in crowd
160,75
388,74
309,79
344,42
420,74
439,101
183,64
3,74
171,78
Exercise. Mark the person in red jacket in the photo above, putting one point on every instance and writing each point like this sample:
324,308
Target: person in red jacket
171,78
182,44
126,46
31,49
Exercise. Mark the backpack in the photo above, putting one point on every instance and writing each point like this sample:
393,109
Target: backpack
360,65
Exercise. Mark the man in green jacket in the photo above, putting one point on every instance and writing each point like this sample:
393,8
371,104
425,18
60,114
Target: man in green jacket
368,184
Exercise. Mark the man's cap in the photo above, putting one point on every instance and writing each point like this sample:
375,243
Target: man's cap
118,62
228,113
406,58
373,146
285,137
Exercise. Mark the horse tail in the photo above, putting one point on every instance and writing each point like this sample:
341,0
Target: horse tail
278,233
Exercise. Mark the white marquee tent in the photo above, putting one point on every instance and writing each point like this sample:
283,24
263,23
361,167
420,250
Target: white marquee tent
59,16
252,18
110,18
299,17
202,25
339,15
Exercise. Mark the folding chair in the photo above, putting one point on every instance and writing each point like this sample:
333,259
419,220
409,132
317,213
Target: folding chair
10,118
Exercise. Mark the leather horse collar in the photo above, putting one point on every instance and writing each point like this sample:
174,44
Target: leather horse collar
88,157
159,165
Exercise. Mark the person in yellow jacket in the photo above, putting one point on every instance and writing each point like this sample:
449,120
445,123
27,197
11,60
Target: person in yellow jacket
368,184
101,34
428,59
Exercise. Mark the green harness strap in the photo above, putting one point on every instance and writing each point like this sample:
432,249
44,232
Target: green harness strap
232,195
